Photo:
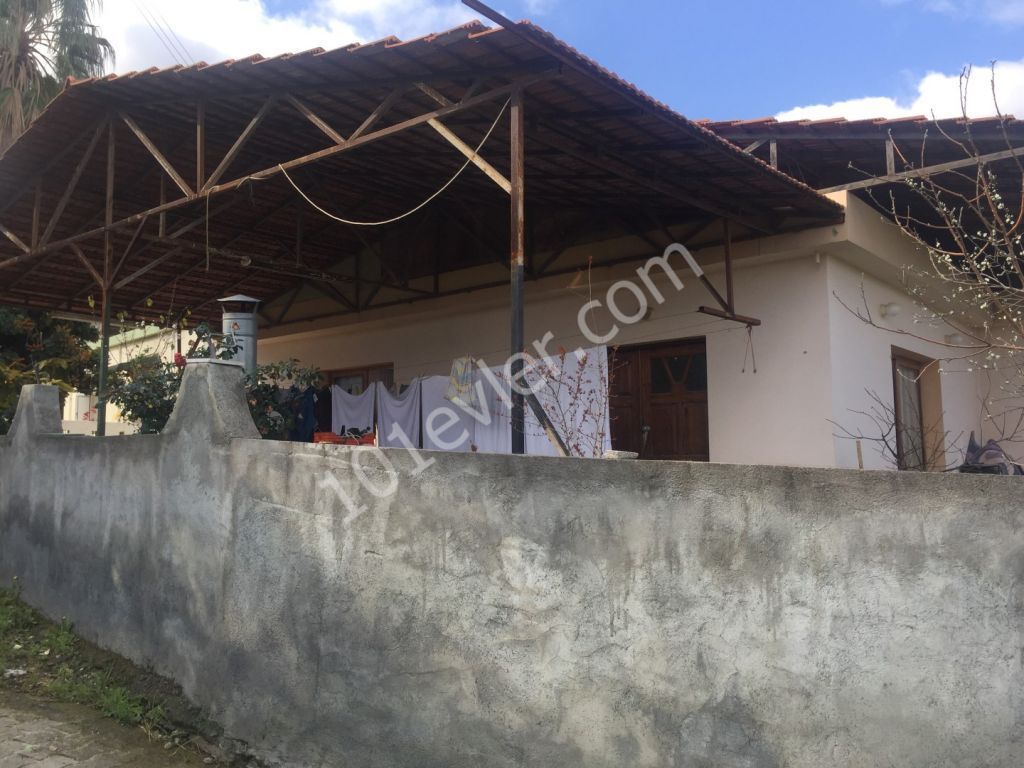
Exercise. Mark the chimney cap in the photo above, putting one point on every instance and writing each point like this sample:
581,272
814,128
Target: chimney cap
238,298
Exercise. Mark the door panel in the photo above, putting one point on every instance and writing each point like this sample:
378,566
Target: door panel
661,391
624,399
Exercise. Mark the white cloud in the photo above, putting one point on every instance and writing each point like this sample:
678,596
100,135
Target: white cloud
1001,11
937,94
212,30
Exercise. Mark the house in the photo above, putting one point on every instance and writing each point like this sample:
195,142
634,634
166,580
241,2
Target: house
401,204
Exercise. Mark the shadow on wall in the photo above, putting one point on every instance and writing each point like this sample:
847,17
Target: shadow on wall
508,611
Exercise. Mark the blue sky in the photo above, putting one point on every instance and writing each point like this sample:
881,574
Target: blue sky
706,58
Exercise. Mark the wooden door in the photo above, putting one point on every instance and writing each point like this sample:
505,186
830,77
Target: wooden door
659,401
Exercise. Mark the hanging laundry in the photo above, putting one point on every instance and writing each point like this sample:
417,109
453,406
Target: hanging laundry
460,382
303,407
453,427
351,411
493,430
323,410
402,412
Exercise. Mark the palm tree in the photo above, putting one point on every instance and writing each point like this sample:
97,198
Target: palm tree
42,43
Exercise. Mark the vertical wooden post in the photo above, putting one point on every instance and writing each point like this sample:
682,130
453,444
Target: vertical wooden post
200,144
727,241
890,157
773,153
36,209
162,227
518,248
108,288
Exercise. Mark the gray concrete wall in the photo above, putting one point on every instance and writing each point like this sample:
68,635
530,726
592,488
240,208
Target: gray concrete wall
499,611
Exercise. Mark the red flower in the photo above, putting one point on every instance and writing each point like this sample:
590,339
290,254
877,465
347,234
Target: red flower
179,359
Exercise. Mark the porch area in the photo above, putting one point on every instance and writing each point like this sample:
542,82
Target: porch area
477,166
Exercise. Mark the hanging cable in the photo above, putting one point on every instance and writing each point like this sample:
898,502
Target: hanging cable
418,207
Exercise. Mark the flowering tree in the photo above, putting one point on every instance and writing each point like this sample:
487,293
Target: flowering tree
968,221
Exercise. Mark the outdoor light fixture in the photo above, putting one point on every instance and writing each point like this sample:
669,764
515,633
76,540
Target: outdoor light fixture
892,309
955,339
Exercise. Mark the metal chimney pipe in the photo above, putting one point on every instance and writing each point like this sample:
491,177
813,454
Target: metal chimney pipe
240,322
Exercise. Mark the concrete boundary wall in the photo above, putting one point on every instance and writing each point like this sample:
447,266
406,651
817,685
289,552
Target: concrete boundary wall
508,611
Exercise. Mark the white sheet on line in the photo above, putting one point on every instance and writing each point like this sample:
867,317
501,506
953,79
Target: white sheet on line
402,411
449,424
351,411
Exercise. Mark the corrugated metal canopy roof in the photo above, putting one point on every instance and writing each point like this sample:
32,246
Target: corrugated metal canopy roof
602,158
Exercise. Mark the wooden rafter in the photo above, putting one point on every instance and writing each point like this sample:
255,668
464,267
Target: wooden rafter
377,114
240,142
928,170
316,120
353,143
96,276
14,239
448,135
70,188
157,155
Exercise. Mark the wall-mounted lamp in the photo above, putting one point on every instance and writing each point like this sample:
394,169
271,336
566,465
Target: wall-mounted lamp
892,309
955,339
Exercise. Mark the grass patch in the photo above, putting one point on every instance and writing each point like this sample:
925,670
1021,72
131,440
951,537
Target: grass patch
42,657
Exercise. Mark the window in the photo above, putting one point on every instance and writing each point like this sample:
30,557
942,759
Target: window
355,381
910,432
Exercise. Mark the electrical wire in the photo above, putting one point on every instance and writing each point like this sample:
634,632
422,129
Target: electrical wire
422,205
164,41
181,46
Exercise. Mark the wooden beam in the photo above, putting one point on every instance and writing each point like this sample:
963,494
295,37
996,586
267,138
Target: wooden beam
96,276
297,162
14,239
157,155
70,188
890,157
754,145
332,293
288,304
377,114
492,173
517,246
146,268
729,316
200,144
128,249
37,204
240,142
316,120
928,170
773,153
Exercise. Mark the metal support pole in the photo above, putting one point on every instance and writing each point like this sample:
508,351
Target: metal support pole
108,289
518,249
730,297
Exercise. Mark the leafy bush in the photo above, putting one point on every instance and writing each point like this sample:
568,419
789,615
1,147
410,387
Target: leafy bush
145,390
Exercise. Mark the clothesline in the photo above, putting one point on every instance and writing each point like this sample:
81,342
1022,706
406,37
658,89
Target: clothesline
578,408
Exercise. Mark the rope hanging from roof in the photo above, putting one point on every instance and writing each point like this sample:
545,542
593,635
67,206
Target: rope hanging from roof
418,207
